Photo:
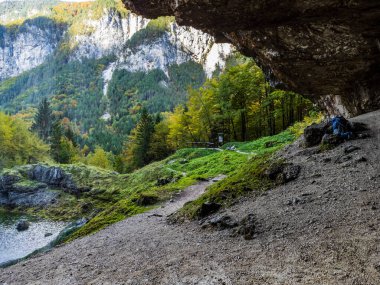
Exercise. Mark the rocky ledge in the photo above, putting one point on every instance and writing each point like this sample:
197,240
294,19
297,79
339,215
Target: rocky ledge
328,50
32,185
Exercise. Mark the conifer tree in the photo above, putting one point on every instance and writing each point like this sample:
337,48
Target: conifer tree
137,151
43,120
70,135
143,136
61,148
55,141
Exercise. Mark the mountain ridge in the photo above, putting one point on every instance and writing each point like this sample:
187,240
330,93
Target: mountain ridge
72,61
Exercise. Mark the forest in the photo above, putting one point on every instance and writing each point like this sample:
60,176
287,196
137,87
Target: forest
150,114
238,105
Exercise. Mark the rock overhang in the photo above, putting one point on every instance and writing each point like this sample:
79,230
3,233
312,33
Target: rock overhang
328,50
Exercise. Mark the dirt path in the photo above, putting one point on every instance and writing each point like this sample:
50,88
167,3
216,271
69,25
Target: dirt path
323,228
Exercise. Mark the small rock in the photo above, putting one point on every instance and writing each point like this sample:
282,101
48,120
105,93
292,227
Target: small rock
22,225
86,207
331,140
361,159
294,201
163,181
208,208
270,144
350,148
291,172
327,159
247,227
344,158
283,173
48,234
223,222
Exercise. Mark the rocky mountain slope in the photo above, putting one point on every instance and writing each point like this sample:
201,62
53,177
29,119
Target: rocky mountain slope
91,56
322,228
29,45
328,50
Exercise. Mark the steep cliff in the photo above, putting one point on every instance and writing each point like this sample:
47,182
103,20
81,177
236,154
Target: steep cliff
176,45
108,35
28,45
86,66
328,50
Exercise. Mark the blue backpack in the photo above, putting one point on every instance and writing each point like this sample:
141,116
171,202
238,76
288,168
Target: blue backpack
341,127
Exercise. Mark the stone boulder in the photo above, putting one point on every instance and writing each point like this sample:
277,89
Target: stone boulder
208,208
331,140
53,176
7,181
29,185
222,222
40,198
247,227
22,225
313,134
283,173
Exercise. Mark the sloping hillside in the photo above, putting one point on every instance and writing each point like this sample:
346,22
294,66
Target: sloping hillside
322,228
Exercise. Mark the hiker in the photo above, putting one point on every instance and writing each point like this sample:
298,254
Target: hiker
341,128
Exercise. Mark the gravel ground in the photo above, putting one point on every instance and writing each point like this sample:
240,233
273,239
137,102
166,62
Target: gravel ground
323,228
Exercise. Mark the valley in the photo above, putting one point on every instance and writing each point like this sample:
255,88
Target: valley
189,142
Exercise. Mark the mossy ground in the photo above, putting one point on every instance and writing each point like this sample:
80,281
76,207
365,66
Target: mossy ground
247,177
113,197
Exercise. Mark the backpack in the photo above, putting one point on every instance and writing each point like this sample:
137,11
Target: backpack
341,127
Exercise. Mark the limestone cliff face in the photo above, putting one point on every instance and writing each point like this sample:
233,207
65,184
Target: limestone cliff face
328,50
27,46
177,45
107,35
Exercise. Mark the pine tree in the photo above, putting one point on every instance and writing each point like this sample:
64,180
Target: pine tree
43,120
55,141
70,135
139,141
62,148
144,131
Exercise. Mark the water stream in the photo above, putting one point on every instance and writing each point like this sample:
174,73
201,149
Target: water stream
15,244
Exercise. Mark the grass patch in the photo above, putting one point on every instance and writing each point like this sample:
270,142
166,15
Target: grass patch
264,144
115,213
213,163
248,176
113,197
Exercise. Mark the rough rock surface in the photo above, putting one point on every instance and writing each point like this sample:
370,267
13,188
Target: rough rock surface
22,225
323,228
283,173
28,45
109,35
52,176
328,50
313,134
33,190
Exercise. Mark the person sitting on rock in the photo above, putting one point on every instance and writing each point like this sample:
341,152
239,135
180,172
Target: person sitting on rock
341,128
